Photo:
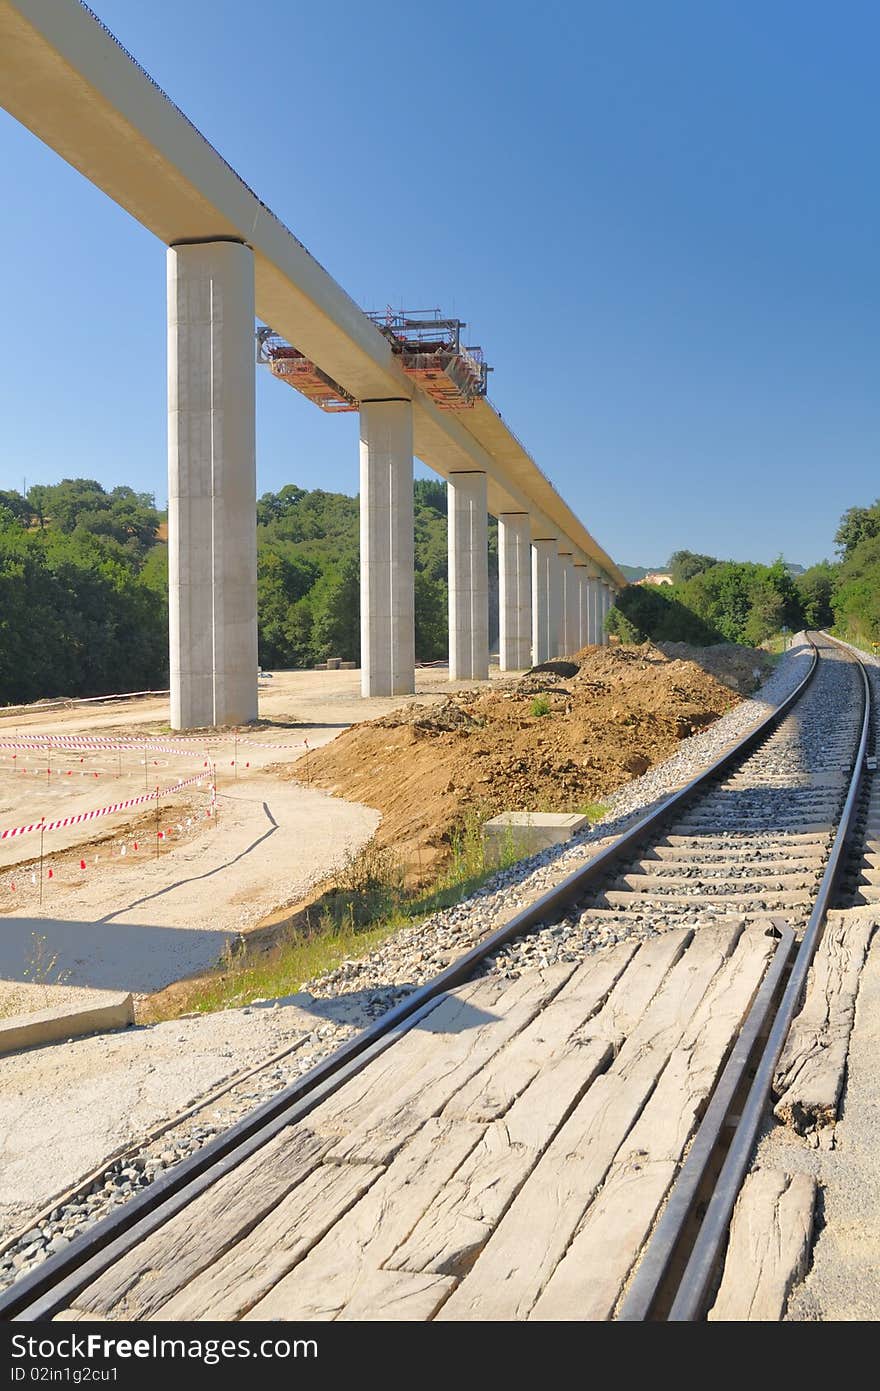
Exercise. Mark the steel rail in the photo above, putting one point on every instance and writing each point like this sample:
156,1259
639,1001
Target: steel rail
653,1268
52,1285
695,1285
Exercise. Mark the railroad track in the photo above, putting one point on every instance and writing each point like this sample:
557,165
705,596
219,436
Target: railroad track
473,1153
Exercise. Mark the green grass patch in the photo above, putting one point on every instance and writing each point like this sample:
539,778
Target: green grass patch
281,971
539,706
857,639
367,904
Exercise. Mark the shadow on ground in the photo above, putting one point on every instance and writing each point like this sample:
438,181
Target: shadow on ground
357,1007
107,956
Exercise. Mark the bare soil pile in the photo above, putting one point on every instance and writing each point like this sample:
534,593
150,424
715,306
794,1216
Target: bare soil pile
425,767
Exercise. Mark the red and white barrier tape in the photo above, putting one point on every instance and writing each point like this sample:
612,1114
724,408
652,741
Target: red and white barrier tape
98,811
65,741
84,746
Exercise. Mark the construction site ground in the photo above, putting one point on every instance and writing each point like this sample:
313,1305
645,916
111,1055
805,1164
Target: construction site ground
114,905
134,919
137,921
545,741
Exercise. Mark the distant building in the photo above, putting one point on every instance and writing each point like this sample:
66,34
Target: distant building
657,577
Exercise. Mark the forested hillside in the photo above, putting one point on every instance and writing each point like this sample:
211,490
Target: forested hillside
84,606
309,585
715,600
84,580
83,592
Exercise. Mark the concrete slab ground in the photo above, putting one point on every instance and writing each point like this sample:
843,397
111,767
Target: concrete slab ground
139,922
144,923
97,1013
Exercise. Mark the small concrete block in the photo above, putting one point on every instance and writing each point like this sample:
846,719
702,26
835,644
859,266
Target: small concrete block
526,832
348,666
108,1010
334,663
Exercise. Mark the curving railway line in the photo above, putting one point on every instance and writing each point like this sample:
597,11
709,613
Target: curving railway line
566,1142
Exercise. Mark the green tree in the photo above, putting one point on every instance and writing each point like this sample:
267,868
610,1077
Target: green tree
432,554
430,493
283,578
643,612
432,617
683,565
128,518
767,613
75,618
857,524
721,596
67,500
815,589
298,635
17,506
335,603
743,601
36,496
154,572
273,507
856,599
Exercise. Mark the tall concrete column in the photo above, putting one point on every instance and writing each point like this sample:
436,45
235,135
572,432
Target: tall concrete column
594,624
515,591
387,569
610,596
212,529
468,577
604,605
582,582
568,628
545,599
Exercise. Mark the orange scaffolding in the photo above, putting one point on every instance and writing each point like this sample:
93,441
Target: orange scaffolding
427,346
430,351
289,365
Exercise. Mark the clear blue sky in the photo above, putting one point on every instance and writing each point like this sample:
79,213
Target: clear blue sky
660,220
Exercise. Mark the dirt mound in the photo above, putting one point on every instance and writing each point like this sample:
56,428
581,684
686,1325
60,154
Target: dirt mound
741,668
538,743
448,716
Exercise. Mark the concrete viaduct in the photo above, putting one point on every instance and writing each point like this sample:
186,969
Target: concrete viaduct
66,78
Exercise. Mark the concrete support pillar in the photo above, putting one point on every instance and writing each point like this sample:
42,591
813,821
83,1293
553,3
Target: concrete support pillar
212,531
515,591
568,628
545,599
604,605
594,626
387,573
582,582
600,613
610,596
468,577
556,602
